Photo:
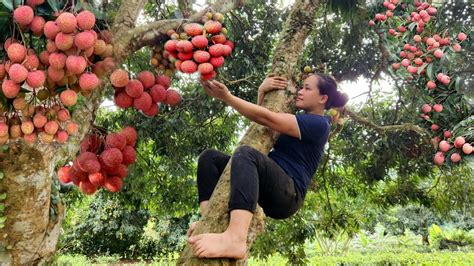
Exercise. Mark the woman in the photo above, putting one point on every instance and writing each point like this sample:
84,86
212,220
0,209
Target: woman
278,181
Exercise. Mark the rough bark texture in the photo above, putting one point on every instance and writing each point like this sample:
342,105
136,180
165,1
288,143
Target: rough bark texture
31,232
297,28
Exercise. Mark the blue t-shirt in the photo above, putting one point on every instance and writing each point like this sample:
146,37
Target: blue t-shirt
300,157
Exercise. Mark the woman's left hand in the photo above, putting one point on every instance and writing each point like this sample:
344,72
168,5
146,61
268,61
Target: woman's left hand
215,89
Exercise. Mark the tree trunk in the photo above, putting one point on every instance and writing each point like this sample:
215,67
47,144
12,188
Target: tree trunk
216,219
33,208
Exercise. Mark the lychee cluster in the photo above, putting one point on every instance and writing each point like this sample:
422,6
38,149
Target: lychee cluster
44,85
37,123
102,162
200,47
422,57
160,60
143,93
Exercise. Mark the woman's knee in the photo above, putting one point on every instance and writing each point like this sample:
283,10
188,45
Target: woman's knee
245,150
207,156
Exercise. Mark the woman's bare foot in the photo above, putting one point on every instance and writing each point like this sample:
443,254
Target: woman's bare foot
191,228
224,245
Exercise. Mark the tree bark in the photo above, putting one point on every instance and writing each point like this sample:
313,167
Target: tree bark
33,222
297,28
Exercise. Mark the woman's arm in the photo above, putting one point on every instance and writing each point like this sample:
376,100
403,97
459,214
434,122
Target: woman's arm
281,122
270,83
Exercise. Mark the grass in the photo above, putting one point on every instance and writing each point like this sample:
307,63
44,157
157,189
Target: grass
406,257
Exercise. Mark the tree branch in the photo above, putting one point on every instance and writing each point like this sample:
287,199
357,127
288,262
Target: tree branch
131,39
386,129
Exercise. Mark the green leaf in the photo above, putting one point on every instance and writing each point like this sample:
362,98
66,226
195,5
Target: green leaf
457,84
2,207
429,71
5,148
421,68
1,175
3,196
8,4
3,219
54,4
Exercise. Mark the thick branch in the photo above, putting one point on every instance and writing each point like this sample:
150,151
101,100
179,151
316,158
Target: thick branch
131,39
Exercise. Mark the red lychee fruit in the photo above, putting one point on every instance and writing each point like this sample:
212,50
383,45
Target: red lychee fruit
455,157
185,56
134,88
143,102
23,15
31,138
66,22
201,56
213,27
444,146
459,142
63,115
16,52
85,20
112,157
208,76
426,108
158,93
437,108
205,68
130,134
62,136
76,64
146,78
63,174
122,171
170,46
51,127
87,187
217,50
115,140
193,29
64,41
122,100
84,40
217,61
172,97
68,97
39,120
431,85
113,184
98,179
439,158
18,73
55,74
89,81
200,41
10,89
129,155
219,38
184,46
36,79
119,78
57,60
163,80
37,25
467,148
152,111
51,30
32,62
462,36
27,127
188,66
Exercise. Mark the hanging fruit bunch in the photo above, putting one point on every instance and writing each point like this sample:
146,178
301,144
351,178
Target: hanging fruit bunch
103,161
42,72
199,47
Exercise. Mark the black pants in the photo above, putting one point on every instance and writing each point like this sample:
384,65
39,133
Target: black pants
254,178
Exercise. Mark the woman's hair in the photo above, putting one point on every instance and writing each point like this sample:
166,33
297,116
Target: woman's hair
327,86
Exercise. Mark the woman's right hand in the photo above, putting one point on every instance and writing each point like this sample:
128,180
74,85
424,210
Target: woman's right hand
273,83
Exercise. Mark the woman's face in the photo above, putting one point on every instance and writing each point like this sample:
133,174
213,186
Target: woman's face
308,97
